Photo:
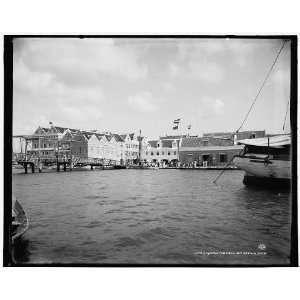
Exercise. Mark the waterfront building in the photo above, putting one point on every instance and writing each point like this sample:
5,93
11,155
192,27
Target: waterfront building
103,142
143,148
56,141
119,151
163,151
93,144
207,151
131,147
73,144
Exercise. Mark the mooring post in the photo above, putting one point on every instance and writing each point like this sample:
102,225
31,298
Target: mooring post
32,167
92,167
57,166
65,166
25,167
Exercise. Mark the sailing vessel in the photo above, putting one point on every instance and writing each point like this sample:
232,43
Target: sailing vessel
266,160
20,221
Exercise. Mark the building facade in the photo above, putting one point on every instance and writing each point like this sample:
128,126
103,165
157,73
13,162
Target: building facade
163,152
209,150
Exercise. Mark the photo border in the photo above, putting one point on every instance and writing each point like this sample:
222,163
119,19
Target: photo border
8,113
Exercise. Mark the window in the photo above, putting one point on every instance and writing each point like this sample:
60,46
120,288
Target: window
205,143
163,153
169,153
174,152
151,153
157,153
45,145
223,158
157,145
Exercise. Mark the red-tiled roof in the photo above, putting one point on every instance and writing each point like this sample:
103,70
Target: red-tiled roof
170,137
166,143
153,144
205,141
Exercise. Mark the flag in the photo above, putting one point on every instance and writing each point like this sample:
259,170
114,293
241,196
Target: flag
189,127
175,127
177,121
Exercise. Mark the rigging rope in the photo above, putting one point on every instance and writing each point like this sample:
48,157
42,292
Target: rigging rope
287,109
255,99
262,86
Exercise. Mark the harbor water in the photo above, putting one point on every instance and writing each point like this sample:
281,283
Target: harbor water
152,217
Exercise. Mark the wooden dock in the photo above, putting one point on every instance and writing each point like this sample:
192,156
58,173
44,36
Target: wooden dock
40,163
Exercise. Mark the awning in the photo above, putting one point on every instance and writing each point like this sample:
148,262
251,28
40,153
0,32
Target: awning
277,141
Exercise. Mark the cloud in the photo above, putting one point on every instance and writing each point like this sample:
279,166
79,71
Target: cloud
206,71
83,61
39,98
168,87
143,102
210,107
63,79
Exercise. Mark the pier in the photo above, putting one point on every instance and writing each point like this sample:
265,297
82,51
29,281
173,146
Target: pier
64,164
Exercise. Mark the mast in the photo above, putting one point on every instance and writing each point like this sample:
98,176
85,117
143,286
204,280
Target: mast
140,147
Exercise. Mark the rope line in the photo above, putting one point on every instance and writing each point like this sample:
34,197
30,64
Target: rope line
287,109
254,101
262,86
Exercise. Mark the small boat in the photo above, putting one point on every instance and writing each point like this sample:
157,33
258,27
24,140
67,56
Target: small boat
266,160
20,221
120,167
143,167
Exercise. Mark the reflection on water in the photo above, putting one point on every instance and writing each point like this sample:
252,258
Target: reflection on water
148,216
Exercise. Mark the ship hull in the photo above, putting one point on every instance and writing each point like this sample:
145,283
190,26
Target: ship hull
264,172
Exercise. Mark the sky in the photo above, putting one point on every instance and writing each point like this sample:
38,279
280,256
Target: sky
123,85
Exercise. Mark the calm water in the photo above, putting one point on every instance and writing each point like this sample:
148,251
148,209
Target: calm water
151,216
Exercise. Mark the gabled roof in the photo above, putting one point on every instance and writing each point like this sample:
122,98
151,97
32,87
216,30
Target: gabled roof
118,138
88,135
99,136
63,129
123,136
140,138
45,129
131,135
60,129
108,137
